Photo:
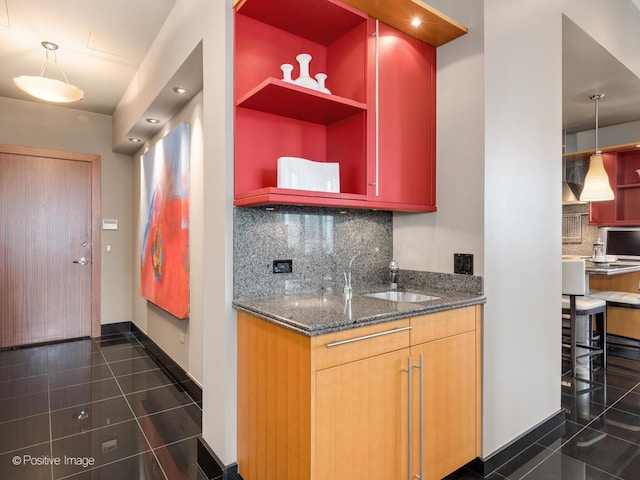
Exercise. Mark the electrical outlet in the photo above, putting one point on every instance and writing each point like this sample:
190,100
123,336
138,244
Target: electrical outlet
463,263
282,266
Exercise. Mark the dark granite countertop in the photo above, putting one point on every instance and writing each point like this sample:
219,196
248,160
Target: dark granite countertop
318,314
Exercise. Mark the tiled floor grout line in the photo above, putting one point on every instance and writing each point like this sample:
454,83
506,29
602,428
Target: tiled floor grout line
137,421
553,451
66,373
609,407
584,427
123,421
171,378
70,360
93,429
73,475
175,442
84,403
24,418
50,427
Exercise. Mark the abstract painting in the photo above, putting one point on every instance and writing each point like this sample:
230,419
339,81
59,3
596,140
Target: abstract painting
164,222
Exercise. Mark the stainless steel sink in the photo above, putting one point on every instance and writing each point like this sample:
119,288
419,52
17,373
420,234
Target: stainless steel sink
394,296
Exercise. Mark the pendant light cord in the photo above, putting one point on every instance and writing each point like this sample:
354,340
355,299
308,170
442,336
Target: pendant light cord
51,48
596,98
597,101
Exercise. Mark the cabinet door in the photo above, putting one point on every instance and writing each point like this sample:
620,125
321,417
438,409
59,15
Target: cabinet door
449,405
406,109
361,422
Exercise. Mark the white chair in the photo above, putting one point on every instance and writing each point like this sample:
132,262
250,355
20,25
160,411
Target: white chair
574,303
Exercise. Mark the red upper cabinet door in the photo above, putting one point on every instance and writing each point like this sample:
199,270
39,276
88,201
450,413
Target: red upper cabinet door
402,140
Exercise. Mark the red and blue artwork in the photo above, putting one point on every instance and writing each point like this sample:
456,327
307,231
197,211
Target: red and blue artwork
164,223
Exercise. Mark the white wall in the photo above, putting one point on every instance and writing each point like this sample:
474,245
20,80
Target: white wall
608,136
42,125
523,145
162,327
190,22
428,241
499,137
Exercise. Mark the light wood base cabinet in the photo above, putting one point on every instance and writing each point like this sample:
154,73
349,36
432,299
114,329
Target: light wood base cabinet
624,322
342,405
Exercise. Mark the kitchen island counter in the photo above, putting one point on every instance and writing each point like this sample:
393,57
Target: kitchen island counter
613,268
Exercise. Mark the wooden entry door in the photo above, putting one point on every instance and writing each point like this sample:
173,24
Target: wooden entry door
49,245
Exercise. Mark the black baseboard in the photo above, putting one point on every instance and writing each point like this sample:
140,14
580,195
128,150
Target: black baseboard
164,361
115,328
211,465
485,466
43,344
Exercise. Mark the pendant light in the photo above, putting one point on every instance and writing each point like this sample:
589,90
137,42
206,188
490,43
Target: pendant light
49,89
596,183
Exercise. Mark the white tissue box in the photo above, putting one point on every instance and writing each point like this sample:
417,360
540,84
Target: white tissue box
302,174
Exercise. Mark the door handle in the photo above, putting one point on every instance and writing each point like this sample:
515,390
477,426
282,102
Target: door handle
82,261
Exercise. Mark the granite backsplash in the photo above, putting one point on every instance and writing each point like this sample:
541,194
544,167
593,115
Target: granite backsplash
321,242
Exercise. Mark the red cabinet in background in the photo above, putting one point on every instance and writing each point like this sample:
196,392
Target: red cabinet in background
622,164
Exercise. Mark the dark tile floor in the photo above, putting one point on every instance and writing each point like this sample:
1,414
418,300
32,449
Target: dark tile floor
94,409
600,439
102,409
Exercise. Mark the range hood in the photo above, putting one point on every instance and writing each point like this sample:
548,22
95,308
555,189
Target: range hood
568,196
571,191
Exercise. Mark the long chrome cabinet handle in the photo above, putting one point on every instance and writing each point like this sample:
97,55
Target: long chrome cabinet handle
419,367
410,419
377,117
367,337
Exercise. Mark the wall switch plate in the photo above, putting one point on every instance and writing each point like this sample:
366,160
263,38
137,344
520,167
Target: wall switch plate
463,263
109,223
282,266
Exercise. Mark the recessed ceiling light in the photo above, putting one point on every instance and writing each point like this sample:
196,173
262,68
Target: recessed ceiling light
416,21
152,120
180,90
134,140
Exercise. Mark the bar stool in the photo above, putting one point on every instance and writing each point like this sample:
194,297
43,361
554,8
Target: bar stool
574,285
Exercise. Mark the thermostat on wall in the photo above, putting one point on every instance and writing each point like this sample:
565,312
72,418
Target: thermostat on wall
109,224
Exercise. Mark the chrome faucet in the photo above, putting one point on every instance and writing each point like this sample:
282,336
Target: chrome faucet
348,290
394,268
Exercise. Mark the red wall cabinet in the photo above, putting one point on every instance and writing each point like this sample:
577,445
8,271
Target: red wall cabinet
378,123
621,164
402,167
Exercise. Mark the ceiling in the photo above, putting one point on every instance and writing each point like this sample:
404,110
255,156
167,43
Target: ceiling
587,69
103,43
